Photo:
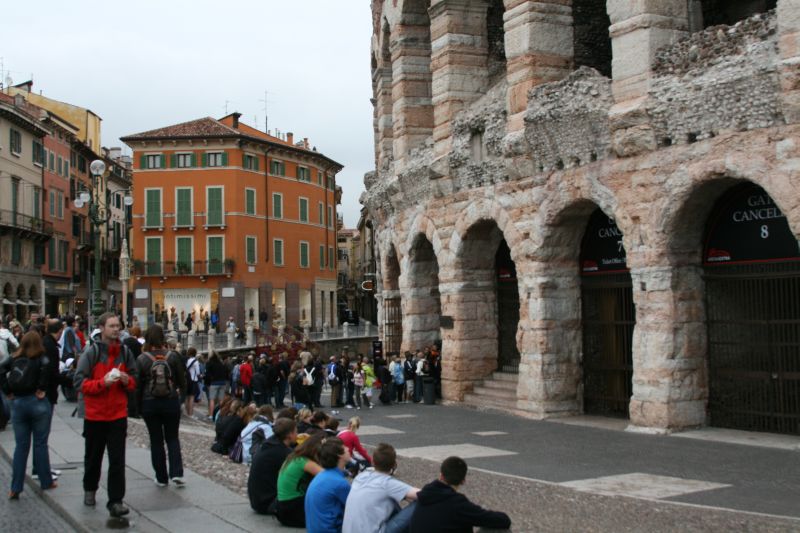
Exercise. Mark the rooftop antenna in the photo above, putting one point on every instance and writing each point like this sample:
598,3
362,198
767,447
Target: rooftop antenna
226,106
266,112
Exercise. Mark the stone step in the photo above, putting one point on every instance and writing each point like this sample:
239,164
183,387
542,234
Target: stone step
495,393
505,376
489,403
499,384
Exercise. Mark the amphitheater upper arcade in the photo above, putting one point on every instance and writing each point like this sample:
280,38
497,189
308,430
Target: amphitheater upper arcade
479,142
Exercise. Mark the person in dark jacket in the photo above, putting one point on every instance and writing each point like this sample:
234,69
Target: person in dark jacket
216,380
162,411
228,428
28,382
441,508
135,347
53,331
262,484
259,382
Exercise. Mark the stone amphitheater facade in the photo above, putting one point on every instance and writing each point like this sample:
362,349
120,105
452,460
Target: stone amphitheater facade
516,120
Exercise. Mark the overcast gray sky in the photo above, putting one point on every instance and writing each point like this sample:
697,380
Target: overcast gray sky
146,64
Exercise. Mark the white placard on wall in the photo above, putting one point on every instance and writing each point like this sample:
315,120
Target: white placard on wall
228,292
141,294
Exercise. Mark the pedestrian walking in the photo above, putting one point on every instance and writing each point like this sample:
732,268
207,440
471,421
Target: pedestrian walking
192,374
359,379
161,380
27,381
106,372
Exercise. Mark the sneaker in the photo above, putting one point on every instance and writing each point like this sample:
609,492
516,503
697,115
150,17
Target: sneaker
118,510
159,483
358,408
371,406
52,475
348,406
55,472
13,495
89,499
179,482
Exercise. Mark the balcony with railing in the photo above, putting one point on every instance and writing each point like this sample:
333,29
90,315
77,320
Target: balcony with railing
25,226
167,269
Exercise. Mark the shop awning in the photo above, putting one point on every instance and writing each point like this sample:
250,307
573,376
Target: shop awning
7,302
31,303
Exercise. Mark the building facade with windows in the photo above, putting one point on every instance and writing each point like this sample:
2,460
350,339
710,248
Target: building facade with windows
228,217
24,229
594,205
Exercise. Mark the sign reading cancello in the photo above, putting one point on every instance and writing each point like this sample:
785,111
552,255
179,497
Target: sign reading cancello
602,251
747,226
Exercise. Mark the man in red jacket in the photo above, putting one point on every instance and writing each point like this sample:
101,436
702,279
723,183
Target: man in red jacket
246,377
106,373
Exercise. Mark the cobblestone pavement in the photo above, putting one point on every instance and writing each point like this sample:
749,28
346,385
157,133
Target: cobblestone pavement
533,505
28,514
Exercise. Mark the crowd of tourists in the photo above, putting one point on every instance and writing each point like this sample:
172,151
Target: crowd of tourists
304,469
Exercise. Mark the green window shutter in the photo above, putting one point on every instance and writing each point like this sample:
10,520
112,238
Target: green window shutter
278,252
153,257
304,254
277,206
244,160
34,151
224,159
185,254
321,257
255,163
173,161
163,160
204,160
214,208
303,210
51,254
215,255
184,217
251,250
153,208
321,214
143,161
250,201
194,159
330,258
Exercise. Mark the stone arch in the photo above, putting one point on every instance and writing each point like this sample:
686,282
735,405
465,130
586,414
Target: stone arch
423,224
422,307
552,335
481,288
391,300
672,335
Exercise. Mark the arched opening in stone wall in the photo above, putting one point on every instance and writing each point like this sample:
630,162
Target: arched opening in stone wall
591,40
489,299
21,302
707,13
8,299
422,308
751,267
608,318
496,41
392,304
412,90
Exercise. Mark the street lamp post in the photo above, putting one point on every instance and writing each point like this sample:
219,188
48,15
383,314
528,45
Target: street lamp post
98,215
124,275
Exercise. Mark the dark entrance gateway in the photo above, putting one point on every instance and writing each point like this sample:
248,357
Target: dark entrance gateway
752,274
507,310
608,317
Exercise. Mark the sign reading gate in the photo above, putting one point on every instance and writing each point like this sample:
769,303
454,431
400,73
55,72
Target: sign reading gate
747,226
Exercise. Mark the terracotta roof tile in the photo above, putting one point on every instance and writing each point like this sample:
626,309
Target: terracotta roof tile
202,127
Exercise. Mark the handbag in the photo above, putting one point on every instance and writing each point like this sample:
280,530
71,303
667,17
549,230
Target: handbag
237,450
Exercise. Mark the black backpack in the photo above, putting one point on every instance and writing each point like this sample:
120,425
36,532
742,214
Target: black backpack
24,374
161,382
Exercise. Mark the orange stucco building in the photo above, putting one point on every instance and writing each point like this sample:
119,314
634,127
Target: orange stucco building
228,217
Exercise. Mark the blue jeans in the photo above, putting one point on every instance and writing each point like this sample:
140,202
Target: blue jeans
400,521
29,415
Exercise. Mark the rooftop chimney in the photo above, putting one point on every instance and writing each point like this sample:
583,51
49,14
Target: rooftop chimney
290,137
236,119
305,143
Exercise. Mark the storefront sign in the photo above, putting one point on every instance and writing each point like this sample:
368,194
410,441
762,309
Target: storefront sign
747,226
187,300
602,251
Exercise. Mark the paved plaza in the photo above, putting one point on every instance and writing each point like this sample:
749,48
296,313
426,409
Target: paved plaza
586,474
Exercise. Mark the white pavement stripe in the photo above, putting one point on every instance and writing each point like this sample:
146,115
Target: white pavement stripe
489,433
465,451
640,485
378,430
401,416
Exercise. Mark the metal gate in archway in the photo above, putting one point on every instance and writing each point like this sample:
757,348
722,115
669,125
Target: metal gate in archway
392,325
608,317
752,283
754,347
